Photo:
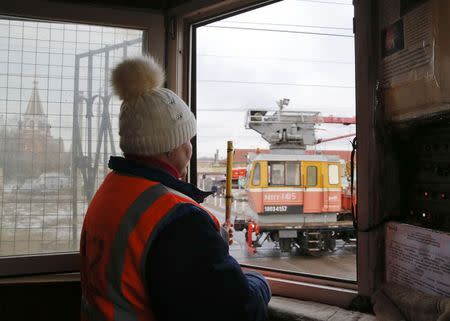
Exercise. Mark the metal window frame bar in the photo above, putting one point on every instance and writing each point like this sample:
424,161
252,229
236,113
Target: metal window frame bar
88,164
370,255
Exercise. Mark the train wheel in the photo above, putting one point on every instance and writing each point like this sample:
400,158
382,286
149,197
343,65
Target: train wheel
285,245
346,237
330,243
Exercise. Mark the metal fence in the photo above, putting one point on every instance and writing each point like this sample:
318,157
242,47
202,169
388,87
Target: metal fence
88,162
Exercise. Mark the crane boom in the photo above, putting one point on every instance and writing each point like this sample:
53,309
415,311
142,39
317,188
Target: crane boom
338,120
319,141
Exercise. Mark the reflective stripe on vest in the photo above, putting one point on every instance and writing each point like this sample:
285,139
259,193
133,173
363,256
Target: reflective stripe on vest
122,308
124,296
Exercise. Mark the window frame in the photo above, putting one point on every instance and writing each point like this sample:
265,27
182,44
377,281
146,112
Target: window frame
316,178
177,51
299,169
270,173
151,23
257,167
285,173
366,58
329,176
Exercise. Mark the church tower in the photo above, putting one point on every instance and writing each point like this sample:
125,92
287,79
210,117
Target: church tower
34,126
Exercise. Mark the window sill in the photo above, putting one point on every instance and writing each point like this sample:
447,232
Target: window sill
44,278
284,309
324,290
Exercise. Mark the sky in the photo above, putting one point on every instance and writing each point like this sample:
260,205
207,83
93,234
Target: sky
240,69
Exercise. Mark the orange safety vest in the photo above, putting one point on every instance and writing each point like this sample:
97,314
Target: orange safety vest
116,236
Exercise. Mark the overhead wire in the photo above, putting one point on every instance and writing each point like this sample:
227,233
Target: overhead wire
279,59
282,31
274,83
245,110
326,2
287,25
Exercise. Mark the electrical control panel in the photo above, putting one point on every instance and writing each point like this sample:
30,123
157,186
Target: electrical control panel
425,170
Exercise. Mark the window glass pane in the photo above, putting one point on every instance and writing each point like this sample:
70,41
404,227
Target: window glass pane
276,173
311,176
293,173
257,175
43,190
263,80
333,174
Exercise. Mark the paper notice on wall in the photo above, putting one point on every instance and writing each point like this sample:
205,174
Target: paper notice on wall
418,258
407,44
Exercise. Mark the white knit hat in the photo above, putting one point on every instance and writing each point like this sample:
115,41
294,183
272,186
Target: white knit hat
153,120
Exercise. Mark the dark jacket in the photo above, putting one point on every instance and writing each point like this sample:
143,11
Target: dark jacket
188,270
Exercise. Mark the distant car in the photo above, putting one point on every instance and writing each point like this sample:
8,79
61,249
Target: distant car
52,182
46,183
11,187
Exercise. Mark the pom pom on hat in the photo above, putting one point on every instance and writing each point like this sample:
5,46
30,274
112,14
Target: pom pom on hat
152,120
134,77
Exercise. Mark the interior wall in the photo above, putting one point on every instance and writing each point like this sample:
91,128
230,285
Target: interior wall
40,301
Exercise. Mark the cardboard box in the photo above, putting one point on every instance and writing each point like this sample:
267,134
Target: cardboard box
415,57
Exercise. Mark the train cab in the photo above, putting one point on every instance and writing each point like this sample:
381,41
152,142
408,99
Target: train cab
337,207
295,184
302,193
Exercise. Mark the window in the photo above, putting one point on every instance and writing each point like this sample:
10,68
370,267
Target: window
311,176
245,67
333,174
256,181
49,129
285,173
292,173
276,171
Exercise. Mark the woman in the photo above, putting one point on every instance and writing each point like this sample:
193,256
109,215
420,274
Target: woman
149,250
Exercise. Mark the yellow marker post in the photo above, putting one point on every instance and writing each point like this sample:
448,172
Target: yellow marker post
228,195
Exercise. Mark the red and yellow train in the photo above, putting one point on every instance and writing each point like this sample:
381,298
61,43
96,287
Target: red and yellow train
299,201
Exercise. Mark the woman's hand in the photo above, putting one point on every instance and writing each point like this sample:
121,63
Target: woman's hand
227,232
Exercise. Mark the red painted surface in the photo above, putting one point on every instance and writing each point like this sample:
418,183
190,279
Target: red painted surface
337,120
332,201
238,172
258,199
282,198
312,201
346,202
255,201
343,154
